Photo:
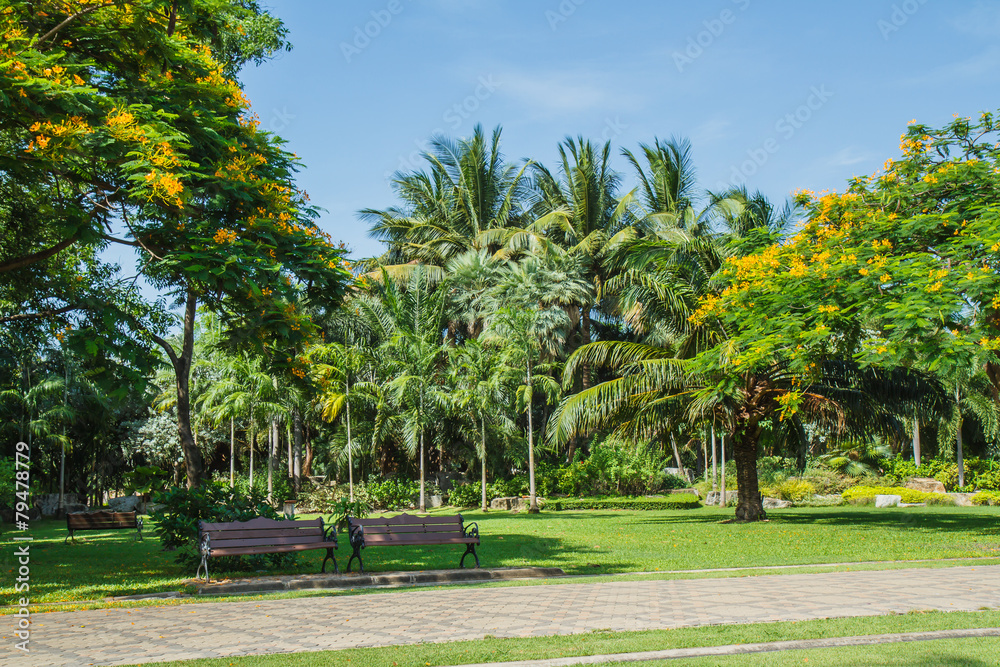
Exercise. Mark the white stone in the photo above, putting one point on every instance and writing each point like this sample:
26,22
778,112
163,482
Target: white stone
775,503
125,504
887,500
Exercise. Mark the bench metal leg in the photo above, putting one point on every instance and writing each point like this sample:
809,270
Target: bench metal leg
204,564
469,549
330,556
69,536
138,526
356,554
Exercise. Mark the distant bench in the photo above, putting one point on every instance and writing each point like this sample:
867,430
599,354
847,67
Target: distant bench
409,530
101,521
264,536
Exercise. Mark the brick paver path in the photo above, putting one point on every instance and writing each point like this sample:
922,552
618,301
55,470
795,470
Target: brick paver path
122,636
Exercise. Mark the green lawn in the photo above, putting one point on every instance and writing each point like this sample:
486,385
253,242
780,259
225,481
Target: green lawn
580,542
930,654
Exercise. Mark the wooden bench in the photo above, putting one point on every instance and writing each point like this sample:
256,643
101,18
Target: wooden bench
101,520
264,536
410,530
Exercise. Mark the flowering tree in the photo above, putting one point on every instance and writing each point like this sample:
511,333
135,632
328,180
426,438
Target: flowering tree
121,124
899,271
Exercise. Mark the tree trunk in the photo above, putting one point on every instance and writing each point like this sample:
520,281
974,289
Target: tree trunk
272,454
749,506
232,452
423,504
722,476
958,440
715,470
677,458
350,454
307,463
533,504
297,453
482,459
916,441
193,460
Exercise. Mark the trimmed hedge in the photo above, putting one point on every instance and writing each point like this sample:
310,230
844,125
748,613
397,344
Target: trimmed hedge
865,494
986,498
679,501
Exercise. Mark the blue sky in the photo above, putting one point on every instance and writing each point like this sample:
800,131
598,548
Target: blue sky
779,95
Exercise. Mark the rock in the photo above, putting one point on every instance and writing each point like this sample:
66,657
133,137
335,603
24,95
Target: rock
887,500
913,504
435,501
125,504
928,484
683,473
515,503
962,499
775,503
49,502
713,498
504,503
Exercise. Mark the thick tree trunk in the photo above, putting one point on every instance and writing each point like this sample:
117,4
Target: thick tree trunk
916,442
959,458
308,460
482,459
193,460
749,506
423,503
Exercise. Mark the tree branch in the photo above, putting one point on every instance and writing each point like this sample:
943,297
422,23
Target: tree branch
20,262
73,17
39,315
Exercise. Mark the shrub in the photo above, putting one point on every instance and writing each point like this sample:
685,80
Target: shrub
508,488
795,490
677,501
343,507
866,494
393,493
673,482
468,495
986,498
826,481
213,502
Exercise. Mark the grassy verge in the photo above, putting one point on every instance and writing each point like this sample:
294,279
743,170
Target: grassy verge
110,564
596,643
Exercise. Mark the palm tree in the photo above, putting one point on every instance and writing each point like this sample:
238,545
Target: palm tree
467,190
408,319
525,335
479,392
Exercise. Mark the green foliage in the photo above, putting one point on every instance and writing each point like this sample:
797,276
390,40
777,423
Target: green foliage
213,502
979,473
866,494
508,488
146,479
677,501
7,471
986,498
469,495
392,493
795,490
343,508
618,468
281,486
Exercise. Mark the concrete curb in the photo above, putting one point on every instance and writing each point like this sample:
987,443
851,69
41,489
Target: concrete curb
740,649
375,580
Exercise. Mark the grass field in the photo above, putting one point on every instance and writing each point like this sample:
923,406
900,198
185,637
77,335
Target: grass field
109,564
973,652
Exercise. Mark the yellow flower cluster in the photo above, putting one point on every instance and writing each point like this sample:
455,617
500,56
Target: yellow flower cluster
828,309
224,236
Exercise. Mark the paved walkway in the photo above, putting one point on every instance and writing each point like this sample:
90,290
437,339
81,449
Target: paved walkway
150,634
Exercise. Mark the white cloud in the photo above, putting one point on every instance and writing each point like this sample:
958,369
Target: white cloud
849,156
983,21
562,92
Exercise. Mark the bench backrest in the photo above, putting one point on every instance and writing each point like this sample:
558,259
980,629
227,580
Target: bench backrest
409,525
97,520
264,532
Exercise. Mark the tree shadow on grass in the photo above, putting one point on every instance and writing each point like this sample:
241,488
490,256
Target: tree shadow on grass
495,551
938,518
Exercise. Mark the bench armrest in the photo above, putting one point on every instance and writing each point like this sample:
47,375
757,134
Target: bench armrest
329,532
205,546
356,534
472,530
